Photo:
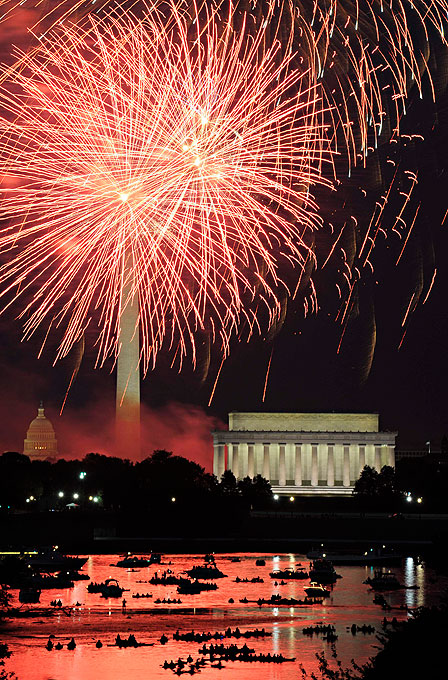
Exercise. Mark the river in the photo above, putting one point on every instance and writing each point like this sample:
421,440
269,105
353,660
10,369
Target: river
96,618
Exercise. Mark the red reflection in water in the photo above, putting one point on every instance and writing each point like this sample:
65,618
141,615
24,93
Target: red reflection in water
97,618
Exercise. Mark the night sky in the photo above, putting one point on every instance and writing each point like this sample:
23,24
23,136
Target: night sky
406,384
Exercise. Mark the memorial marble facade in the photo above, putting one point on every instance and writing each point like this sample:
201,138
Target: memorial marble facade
303,453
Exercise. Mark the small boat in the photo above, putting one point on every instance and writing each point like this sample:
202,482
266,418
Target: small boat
194,587
47,581
235,559
155,558
383,580
317,590
29,595
110,588
52,560
322,571
260,563
290,573
76,576
132,561
205,571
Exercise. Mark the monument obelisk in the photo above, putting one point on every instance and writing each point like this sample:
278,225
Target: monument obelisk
127,410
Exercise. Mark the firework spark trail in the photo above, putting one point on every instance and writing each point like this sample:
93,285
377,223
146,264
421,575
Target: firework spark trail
368,57
137,159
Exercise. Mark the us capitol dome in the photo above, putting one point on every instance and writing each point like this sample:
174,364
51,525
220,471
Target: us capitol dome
40,442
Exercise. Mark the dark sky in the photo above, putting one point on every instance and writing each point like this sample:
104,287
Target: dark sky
406,384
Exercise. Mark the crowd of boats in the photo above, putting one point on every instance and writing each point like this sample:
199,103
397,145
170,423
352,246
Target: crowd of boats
320,574
52,569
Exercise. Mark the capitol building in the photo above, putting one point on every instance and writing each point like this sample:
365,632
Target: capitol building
40,442
303,453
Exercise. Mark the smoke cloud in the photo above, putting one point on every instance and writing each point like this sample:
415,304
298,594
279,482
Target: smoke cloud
181,428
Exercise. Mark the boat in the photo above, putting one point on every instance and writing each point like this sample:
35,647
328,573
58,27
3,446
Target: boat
383,580
76,576
29,595
317,590
47,581
188,587
322,571
51,560
260,563
205,571
290,573
132,561
155,558
167,578
111,588
366,557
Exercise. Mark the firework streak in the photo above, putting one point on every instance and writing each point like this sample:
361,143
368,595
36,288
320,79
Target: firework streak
180,154
169,159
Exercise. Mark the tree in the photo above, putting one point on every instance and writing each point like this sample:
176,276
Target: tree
255,491
367,484
228,484
387,482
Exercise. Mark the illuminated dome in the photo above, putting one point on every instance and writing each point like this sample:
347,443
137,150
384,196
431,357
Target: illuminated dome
40,442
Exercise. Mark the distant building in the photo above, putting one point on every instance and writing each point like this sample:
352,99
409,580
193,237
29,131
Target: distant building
416,453
40,442
303,453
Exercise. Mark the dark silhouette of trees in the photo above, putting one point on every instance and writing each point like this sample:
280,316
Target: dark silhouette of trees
115,484
373,484
228,485
257,491
378,490
367,484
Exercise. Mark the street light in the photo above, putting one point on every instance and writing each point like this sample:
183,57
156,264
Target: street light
61,494
291,498
419,500
276,497
76,496
173,499
82,475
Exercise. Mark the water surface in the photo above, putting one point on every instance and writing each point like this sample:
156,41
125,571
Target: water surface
97,618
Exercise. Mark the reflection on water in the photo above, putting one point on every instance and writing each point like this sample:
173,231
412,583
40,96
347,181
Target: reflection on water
97,618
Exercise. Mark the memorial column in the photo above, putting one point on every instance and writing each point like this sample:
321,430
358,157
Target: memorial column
282,465
251,460
314,468
362,458
235,460
330,465
215,459
391,456
266,461
378,458
298,466
219,460
346,466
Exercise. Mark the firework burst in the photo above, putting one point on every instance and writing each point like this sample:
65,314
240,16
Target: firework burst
167,159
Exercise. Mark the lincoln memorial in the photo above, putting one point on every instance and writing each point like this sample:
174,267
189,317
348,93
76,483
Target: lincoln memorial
303,453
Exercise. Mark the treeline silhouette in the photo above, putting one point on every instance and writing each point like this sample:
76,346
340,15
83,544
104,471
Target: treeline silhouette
99,482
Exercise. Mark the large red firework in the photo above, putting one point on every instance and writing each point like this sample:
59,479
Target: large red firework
170,159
